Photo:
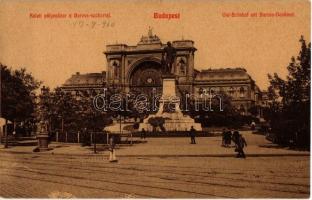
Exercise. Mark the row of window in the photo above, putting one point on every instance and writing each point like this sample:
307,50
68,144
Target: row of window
242,91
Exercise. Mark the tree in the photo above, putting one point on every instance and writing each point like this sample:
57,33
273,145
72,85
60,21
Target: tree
294,93
74,112
296,88
62,110
18,94
215,111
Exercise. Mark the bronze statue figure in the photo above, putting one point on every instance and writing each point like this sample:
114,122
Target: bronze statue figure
168,57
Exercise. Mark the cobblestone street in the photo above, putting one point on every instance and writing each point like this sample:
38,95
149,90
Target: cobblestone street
161,99
55,175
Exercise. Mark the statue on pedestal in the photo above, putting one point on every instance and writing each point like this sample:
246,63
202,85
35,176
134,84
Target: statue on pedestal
168,57
42,127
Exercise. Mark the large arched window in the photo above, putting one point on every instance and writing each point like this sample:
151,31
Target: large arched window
145,77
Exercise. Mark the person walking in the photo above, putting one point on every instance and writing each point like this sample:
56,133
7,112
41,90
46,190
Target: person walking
143,134
112,151
235,137
193,135
241,143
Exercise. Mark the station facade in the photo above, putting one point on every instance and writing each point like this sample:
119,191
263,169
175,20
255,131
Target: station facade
138,69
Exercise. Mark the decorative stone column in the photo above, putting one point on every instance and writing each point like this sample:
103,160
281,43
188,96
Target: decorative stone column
42,126
42,136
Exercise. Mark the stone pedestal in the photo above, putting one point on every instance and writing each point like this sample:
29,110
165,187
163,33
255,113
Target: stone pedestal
174,118
42,136
169,86
43,142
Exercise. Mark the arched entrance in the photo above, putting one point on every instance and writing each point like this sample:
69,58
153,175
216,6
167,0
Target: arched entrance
146,77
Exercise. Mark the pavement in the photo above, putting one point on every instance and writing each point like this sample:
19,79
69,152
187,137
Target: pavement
171,147
158,168
76,176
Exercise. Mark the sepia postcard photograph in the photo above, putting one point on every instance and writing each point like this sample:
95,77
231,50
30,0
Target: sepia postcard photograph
155,99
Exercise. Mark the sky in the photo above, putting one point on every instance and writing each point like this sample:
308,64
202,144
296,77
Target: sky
54,49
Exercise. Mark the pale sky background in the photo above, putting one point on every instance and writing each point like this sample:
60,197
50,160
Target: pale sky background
54,49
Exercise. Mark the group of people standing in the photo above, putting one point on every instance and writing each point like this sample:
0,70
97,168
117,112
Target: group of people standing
239,141
227,137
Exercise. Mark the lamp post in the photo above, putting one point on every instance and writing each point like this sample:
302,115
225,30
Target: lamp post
42,127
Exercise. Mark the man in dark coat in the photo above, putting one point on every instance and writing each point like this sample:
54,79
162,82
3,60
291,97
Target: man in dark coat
193,134
235,136
241,143
143,134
